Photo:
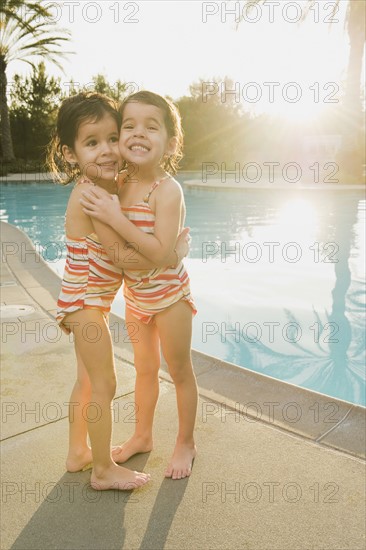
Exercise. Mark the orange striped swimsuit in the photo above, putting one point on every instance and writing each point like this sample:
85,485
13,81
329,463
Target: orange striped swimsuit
90,279
150,292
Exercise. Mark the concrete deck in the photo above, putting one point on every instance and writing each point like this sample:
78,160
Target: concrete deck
279,467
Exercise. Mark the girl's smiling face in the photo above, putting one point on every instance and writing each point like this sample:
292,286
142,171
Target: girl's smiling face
96,149
144,140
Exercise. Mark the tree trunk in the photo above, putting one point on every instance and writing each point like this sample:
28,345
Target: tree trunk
351,157
5,132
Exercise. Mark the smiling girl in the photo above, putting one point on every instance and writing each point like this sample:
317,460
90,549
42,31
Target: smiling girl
158,300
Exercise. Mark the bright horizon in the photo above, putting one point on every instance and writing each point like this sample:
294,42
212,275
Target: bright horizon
173,44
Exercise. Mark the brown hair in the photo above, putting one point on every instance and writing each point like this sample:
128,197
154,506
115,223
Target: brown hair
73,111
172,122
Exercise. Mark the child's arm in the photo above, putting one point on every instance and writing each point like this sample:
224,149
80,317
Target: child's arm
78,224
127,257
118,252
157,247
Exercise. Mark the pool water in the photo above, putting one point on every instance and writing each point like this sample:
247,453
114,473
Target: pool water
278,276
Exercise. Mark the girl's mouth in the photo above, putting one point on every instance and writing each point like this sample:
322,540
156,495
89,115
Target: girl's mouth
138,147
110,164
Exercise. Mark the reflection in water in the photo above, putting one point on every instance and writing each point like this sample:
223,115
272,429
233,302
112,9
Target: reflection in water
338,348
340,352
321,293
324,225
334,362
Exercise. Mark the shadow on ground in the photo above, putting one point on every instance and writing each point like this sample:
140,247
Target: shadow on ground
71,516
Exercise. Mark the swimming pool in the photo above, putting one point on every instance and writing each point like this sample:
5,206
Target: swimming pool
277,275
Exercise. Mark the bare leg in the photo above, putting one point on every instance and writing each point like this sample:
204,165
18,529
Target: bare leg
175,332
147,362
80,454
94,344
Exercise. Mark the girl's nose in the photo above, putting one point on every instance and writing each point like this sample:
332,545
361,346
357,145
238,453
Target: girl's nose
106,147
139,131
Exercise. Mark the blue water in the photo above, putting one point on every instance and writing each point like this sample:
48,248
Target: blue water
278,276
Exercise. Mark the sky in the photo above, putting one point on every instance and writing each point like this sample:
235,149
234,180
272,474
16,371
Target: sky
167,45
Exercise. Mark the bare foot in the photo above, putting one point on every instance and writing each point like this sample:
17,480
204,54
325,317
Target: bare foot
181,462
117,477
77,461
134,445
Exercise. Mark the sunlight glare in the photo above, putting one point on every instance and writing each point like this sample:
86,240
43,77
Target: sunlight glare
297,212
303,111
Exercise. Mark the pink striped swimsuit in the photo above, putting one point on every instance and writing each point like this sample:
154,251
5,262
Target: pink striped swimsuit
150,292
90,279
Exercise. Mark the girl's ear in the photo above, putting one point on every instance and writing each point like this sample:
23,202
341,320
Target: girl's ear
69,155
171,146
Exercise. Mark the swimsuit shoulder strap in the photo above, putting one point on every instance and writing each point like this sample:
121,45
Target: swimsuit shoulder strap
154,186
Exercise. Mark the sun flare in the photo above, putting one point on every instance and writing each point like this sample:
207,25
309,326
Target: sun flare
304,111
297,212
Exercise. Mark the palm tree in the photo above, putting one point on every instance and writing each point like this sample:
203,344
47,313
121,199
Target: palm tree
352,107
352,156
26,34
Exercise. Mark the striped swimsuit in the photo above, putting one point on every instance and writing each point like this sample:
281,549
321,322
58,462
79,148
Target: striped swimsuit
90,280
150,292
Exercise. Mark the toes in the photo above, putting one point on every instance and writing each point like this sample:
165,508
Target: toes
142,480
178,473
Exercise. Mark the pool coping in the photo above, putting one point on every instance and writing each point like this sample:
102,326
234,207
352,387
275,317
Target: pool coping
279,184
225,389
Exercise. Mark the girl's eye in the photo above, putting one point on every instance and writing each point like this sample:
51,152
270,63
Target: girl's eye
127,126
152,128
114,139
91,143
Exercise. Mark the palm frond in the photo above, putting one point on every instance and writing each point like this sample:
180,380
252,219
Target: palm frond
27,34
23,12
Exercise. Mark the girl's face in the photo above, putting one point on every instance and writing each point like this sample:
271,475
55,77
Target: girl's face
96,149
144,139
